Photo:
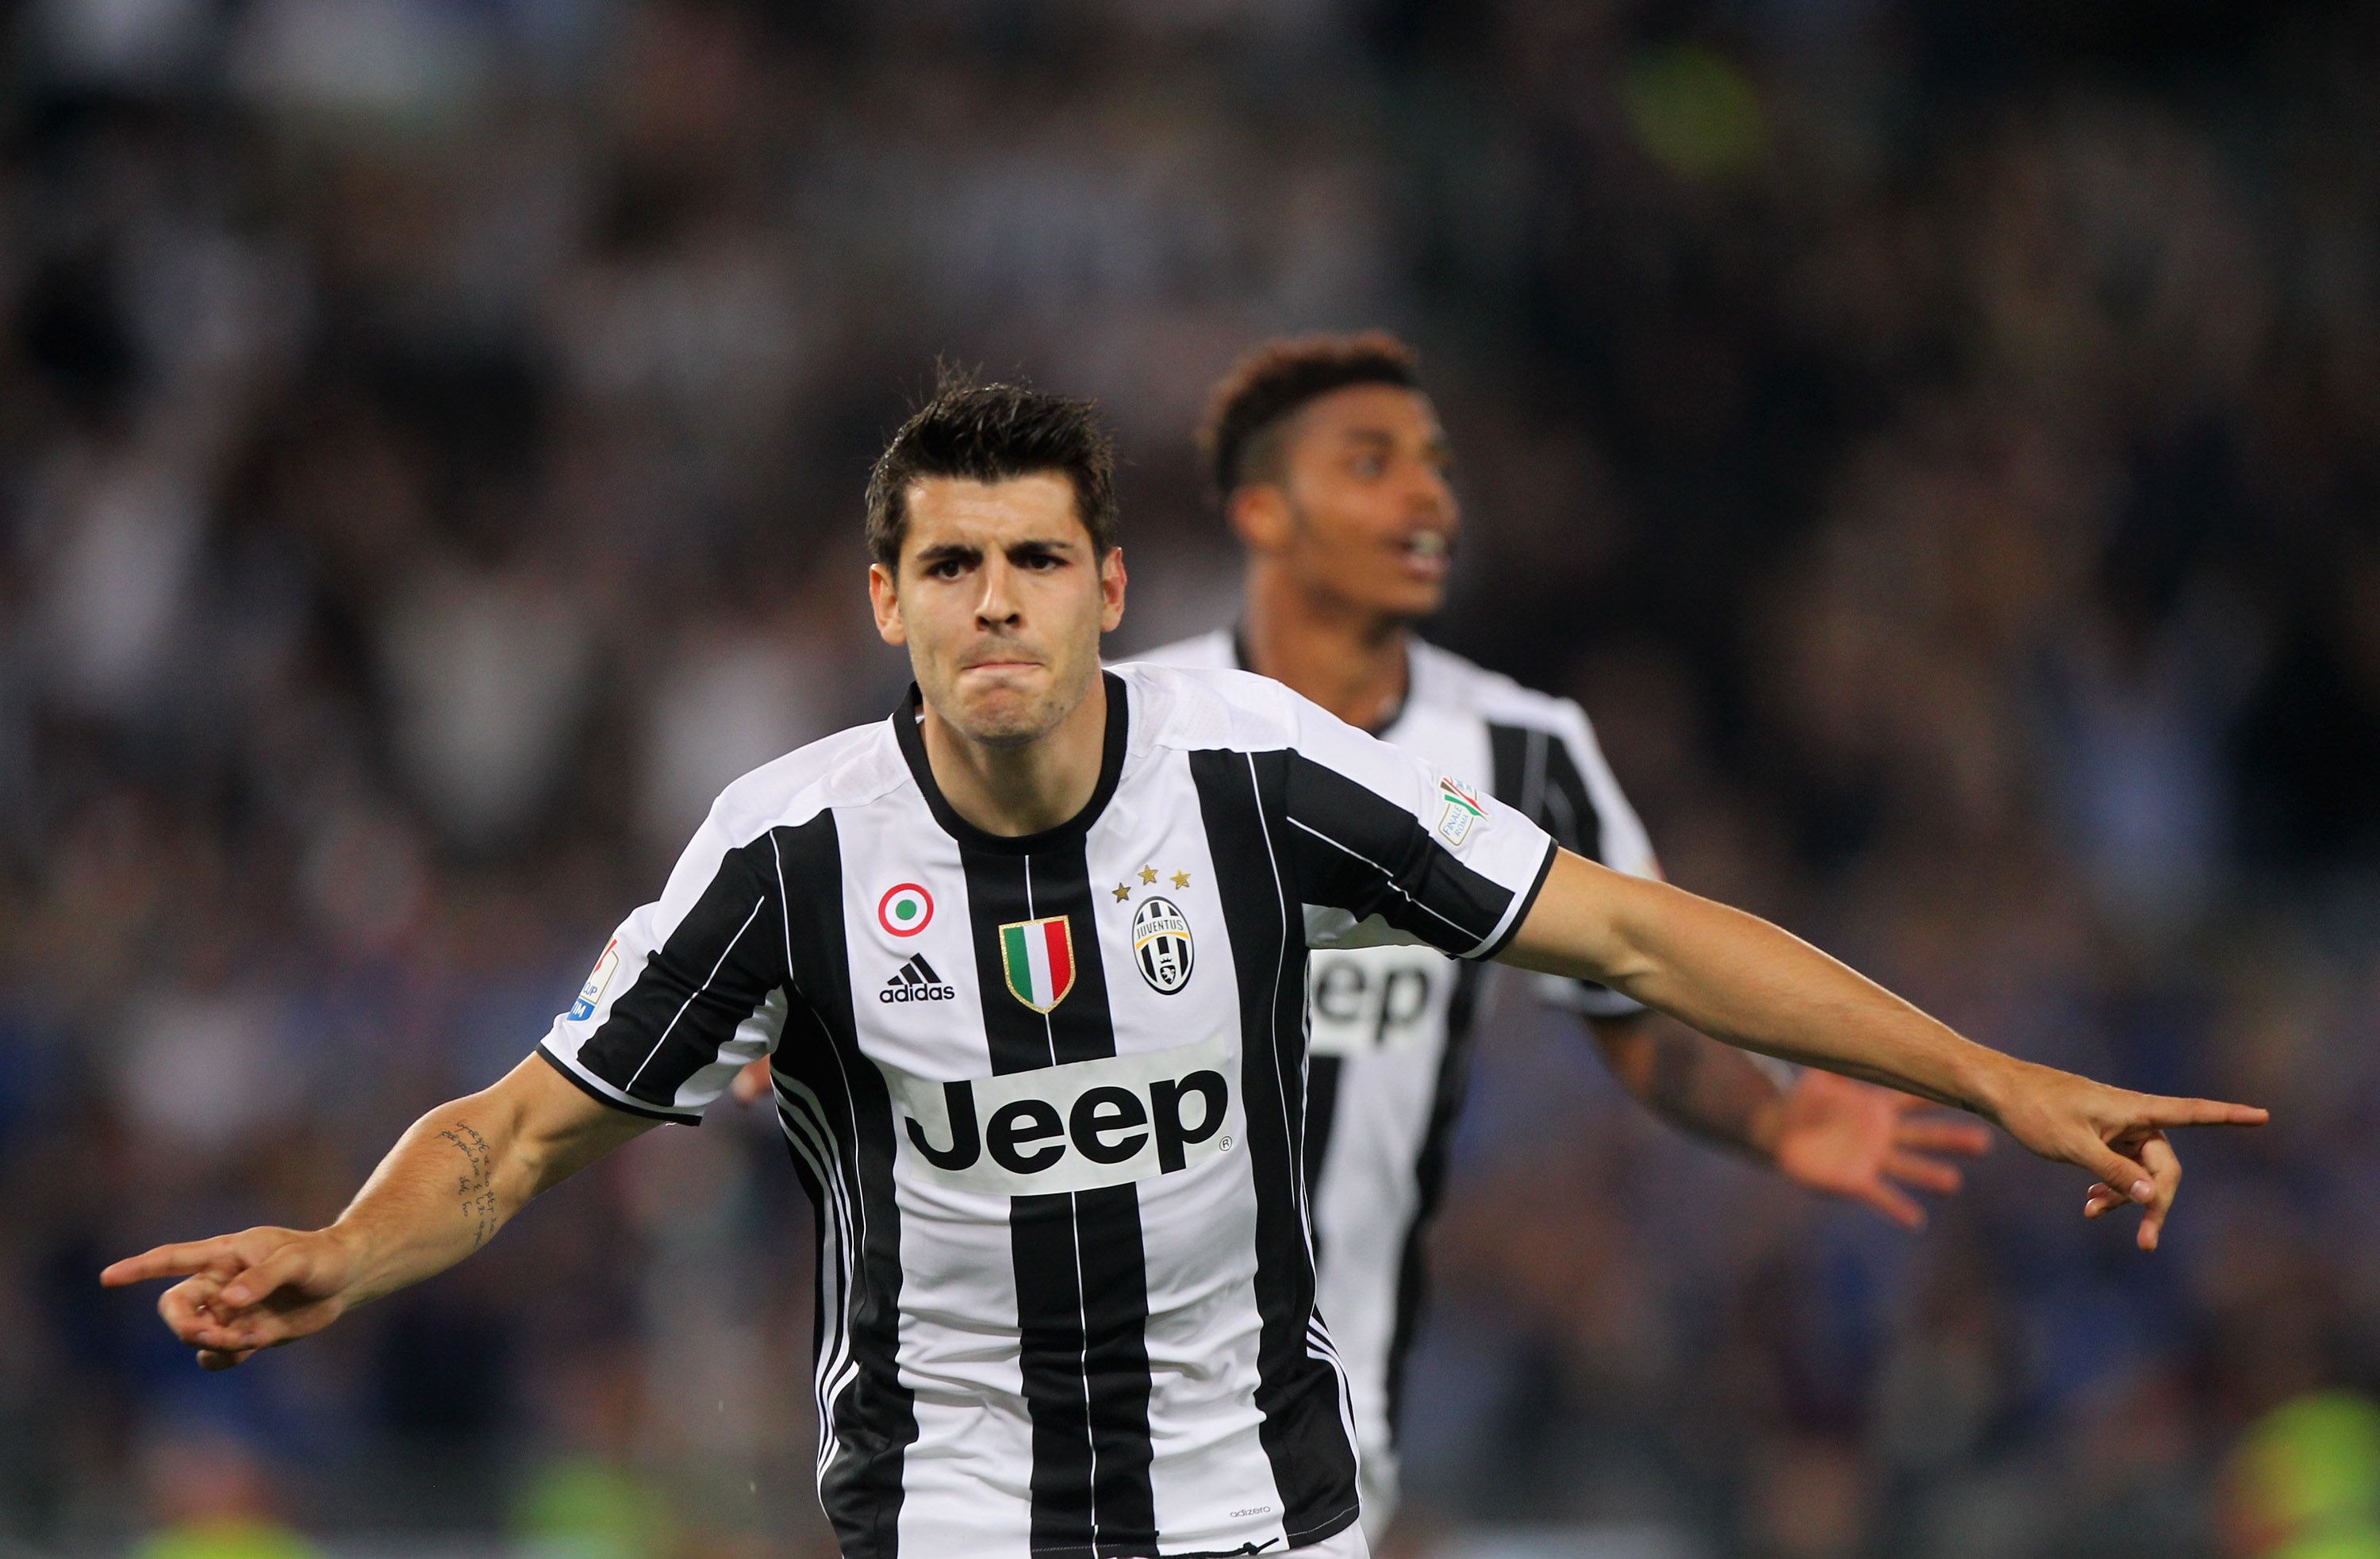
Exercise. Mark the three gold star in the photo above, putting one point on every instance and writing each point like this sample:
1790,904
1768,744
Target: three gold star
1122,892
1149,874
1180,880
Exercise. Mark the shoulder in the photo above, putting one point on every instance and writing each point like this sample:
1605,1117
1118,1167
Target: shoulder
1205,651
847,769
1443,680
1199,707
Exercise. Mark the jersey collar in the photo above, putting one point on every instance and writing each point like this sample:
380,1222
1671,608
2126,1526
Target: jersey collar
1240,661
912,738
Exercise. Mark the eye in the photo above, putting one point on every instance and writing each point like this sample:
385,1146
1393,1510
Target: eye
948,568
1369,466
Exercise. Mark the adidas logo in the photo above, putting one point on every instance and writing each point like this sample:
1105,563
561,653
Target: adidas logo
916,983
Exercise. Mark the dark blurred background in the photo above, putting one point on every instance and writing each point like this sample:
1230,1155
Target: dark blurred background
1937,441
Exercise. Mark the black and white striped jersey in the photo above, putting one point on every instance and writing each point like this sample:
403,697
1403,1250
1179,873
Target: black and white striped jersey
1391,1025
1048,1096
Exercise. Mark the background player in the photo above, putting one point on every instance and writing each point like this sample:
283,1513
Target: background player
1332,467
1074,1320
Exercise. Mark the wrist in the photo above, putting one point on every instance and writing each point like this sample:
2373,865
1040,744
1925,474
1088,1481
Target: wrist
1985,1080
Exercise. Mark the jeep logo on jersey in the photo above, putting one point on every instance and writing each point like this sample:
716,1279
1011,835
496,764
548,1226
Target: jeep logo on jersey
1075,1128
1038,959
1365,999
917,982
592,991
1160,945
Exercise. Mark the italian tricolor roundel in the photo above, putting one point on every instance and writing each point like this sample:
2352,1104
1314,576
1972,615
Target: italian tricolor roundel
1038,957
905,910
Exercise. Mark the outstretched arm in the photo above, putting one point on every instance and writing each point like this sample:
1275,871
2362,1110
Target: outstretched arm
450,1183
1824,1133
1738,979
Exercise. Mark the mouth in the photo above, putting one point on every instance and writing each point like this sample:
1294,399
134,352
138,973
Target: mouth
1427,554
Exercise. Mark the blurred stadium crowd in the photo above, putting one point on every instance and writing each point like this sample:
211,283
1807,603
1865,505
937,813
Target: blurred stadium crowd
1939,444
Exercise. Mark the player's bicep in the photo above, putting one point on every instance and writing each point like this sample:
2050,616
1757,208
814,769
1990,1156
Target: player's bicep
557,1126
1576,925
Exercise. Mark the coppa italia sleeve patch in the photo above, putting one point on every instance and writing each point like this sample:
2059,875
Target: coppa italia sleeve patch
1459,812
592,993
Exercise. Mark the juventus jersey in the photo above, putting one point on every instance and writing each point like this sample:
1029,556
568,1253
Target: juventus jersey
1047,1094
1391,1026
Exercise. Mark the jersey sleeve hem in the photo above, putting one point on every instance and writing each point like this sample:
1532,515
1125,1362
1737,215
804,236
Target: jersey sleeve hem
1518,910
603,1094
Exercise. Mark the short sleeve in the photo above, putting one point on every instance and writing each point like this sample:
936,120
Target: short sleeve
691,988
1385,848
1571,790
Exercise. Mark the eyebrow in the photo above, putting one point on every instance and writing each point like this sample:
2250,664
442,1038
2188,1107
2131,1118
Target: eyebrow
969,552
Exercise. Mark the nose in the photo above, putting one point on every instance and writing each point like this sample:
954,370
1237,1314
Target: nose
996,607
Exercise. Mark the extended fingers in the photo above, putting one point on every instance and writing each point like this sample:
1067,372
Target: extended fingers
1942,1134
173,1260
2155,1111
1925,1174
1887,1200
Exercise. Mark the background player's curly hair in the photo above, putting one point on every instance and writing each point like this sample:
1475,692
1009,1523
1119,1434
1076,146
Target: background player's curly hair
993,432
1239,437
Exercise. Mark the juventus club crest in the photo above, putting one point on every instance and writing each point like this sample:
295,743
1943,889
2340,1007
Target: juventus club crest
1160,945
1038,959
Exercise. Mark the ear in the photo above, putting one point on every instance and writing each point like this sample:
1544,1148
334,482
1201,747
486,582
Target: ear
1112,589
1260,517
886,599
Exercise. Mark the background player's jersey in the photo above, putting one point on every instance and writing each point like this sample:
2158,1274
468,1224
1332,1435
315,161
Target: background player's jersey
1391,1025
1044,1093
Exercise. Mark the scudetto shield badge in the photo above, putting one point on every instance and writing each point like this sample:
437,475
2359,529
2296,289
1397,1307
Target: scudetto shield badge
1160,945
1038,959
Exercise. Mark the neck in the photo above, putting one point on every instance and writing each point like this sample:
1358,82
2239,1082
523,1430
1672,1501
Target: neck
1349,659
1026,788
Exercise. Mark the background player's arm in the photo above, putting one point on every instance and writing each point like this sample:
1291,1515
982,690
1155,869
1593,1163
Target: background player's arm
450,1183
1738,979
1823,1132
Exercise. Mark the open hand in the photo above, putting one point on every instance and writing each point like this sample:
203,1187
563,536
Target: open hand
1856,1140
256,1289
2116,1134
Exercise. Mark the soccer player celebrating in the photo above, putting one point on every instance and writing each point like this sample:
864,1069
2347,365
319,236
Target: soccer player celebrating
1330,465
1028,959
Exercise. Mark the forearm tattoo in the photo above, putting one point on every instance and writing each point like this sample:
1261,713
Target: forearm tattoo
475,1188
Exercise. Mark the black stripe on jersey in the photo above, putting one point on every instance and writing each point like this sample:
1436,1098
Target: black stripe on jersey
1536,774
1429,1180
719,964
1081,1271
1242,803
1351,848
1322,1113
871,1419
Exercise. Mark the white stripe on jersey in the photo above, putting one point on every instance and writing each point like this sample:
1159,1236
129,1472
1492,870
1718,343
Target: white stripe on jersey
1065,1281
1390,1025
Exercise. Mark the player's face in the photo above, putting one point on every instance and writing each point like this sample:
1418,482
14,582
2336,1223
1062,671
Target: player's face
1366,510
999,603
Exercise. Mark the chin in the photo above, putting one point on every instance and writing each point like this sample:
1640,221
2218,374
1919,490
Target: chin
1005,719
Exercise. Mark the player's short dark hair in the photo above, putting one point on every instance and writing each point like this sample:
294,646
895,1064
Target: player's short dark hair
1274,380
993,432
